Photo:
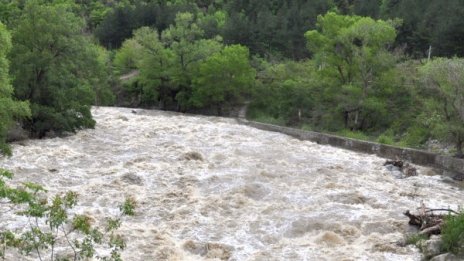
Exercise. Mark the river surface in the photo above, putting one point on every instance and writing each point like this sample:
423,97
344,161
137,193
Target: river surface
209,189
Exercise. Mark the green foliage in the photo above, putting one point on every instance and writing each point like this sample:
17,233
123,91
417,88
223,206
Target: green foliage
354,135
443,80
223,79
168,63
101,76
287,91
386,138
264,118
55,67
128,56
415,239
117,24
272,28
415,136
55,231
452,234
9,108
428,23
352,56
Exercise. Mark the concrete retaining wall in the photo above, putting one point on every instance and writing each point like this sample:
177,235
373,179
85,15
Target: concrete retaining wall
386,151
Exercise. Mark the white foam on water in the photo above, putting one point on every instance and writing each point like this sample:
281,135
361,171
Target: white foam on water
208,188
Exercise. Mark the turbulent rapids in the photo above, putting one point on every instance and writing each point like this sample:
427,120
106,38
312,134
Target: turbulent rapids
210,188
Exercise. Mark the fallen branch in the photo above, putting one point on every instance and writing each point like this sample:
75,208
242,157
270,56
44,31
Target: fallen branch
435,230
407,169
427,221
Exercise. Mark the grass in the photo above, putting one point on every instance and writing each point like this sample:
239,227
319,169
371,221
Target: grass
415,239
453,234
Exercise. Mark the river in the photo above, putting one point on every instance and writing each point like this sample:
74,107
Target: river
208,188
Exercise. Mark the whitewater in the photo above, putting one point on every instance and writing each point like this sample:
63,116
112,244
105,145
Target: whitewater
208,188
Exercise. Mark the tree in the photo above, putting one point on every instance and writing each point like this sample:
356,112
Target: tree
54,67
272,28
156,65
352,54
101,80
287,92
444,82
185,39
223,79
9,108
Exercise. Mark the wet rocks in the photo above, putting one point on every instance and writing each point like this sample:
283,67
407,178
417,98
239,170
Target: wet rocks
401,169
123,118
132,179
302,226
330,238
446,257
255,191
16,133
209,250
193,155
458,177
431,247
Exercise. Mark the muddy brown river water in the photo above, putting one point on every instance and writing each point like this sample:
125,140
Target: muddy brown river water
210,189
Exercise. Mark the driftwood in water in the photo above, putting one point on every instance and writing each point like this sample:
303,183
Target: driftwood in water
428,222
407,169
396,163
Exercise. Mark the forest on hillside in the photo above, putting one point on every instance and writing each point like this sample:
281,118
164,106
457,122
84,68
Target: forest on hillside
383,70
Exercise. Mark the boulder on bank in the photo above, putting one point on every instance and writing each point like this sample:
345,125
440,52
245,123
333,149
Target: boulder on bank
431,247
446,257
16,133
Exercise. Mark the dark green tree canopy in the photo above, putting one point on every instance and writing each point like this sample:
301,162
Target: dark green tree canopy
9,108
54,67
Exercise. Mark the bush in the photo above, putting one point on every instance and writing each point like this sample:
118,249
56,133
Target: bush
415,136
353,135
415,239
453,234
53,227
386,138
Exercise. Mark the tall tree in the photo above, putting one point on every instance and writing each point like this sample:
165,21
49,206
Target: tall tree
185,39
54,67
352,52
223,79
156,67
9,108
444,80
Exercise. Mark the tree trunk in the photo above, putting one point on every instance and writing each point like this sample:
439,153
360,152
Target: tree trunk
219,110
459,153
345,118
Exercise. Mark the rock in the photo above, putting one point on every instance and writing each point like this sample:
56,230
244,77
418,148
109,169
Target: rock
193,156
409,170
209,250
16,133
123,118
458,177
51,134
446,257
431,247
132,179
219,251
330,238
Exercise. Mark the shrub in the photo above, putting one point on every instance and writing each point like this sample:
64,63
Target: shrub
453,234
386,138
52,225
415,239
353,135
